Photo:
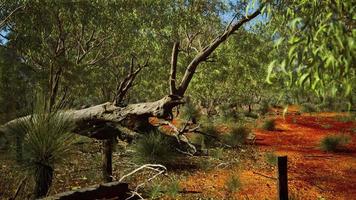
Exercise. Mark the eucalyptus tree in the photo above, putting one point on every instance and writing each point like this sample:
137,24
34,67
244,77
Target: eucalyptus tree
319,39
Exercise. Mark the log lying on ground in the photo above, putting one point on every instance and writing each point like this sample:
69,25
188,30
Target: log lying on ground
102,121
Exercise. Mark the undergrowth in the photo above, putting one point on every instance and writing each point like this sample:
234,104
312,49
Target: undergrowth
334,142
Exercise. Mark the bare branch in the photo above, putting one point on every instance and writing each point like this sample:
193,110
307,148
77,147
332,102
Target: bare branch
4,21
126,84
202,56
173,73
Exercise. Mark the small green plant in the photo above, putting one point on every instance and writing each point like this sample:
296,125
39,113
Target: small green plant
155,148
211,135
269,125
190,112
251,115
233,184
173,188
217,153
154,191
45,141
237,135
334,142
346,118
271,158
264,108
205,164
308,108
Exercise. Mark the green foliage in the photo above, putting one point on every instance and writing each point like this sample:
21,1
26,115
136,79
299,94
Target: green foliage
217,153
269,125
237,135
233,184
271,158
42,140
190,112
154,191
153,147
316,42
211,133
264,108
251,115
334,142
308,108
173,188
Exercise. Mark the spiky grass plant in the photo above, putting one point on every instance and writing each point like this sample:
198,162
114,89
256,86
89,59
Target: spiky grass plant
334,142
155,148
190,112
233,184
237,135
271,158
45,140
269,125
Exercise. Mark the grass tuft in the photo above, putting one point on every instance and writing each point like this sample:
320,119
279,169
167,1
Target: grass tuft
269,125
237,135
334,142
154,147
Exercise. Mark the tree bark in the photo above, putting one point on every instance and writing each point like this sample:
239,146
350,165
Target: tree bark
107,159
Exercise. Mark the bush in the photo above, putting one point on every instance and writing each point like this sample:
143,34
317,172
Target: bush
154,192
334,142
308,107
154,147
173,188
211,136
251,115
271,158
190,112
264,108
41,142
233,184
237,135
269,125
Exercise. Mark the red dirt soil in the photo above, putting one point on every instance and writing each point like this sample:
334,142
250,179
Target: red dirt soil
312,173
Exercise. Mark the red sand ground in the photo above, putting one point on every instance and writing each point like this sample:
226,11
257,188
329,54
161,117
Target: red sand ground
312,173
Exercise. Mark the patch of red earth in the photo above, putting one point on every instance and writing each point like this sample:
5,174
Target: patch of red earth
312,173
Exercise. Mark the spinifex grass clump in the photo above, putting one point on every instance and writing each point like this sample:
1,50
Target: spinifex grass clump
211,135
45,140
271,158
334,142
233,184
308,107
190,112
237,135
154,147
269,125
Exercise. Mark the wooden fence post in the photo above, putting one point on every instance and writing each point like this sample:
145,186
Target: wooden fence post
282,179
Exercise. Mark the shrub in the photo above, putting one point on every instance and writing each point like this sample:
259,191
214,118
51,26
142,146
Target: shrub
237,135
217,153
251,115
211,134
334,142
154,147
269,125
154,191
308,107
173,188
233,184
271,158
190,112
264,108
42,141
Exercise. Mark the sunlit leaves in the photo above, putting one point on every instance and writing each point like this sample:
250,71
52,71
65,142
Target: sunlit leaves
319,39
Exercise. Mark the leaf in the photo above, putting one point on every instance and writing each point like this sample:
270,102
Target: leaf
269,71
